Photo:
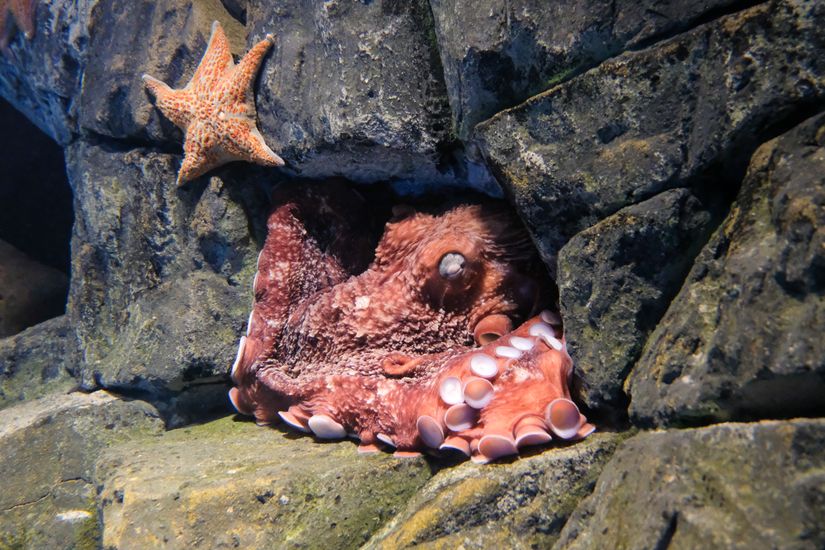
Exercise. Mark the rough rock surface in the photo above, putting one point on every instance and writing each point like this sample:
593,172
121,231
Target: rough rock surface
47,455
38,361
167,272
234,484
30,292
759,485
42,76
519,505
354,89
615,282
497,53
744,335
656,119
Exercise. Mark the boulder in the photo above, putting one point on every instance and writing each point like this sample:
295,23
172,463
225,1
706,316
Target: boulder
759,485
669,116
38,361
743,338
354,89
167,272
234,484
42,77
496,53
615,282
522,504
48,449
30,292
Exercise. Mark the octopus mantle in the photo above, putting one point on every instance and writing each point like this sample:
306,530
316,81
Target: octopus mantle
414,350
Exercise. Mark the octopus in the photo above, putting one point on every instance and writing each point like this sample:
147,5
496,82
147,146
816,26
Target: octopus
439,342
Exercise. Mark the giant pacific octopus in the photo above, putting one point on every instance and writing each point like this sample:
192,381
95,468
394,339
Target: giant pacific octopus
438,344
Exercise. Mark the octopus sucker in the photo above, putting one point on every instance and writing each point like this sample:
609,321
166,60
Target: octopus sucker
437,342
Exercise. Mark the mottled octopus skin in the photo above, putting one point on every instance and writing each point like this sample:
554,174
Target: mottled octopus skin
340,350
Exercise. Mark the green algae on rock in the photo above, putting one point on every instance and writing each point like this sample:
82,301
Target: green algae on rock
743,338
235,484
616,279
522,504
758,485
48,449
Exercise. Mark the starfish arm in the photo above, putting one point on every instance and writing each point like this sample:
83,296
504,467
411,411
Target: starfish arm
174,104
215,62
243,141
237,88
23,12
201,152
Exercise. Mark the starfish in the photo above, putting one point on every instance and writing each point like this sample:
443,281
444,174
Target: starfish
22,13
216,109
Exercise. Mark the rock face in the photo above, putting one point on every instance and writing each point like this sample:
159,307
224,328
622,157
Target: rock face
519,505
496,54
657,119
744,336
42,76
233,484
348,79
758,485
38,361
615,281
167,272
47,454
30,292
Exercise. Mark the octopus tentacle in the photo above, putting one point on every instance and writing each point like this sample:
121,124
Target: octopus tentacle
527,402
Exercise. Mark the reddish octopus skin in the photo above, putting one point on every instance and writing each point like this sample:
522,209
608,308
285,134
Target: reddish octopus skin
339,351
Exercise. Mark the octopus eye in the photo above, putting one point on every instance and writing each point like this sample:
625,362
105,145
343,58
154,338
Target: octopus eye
451,265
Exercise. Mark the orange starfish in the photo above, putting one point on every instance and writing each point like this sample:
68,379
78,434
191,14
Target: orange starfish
216,109
22,13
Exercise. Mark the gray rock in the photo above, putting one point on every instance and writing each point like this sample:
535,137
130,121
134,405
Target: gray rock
48,449
164,38
354,89
615,282
519,505
744,336
759,485
38,361
229,484
657,119
166,272
42,77
496,53
30,292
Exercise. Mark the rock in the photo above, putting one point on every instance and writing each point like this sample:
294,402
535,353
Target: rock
354,89
30,292
234,484
38,361
743,338
167,272
497,54
670,116
47,453
42,77
519,505
759,485
163,38
615,282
